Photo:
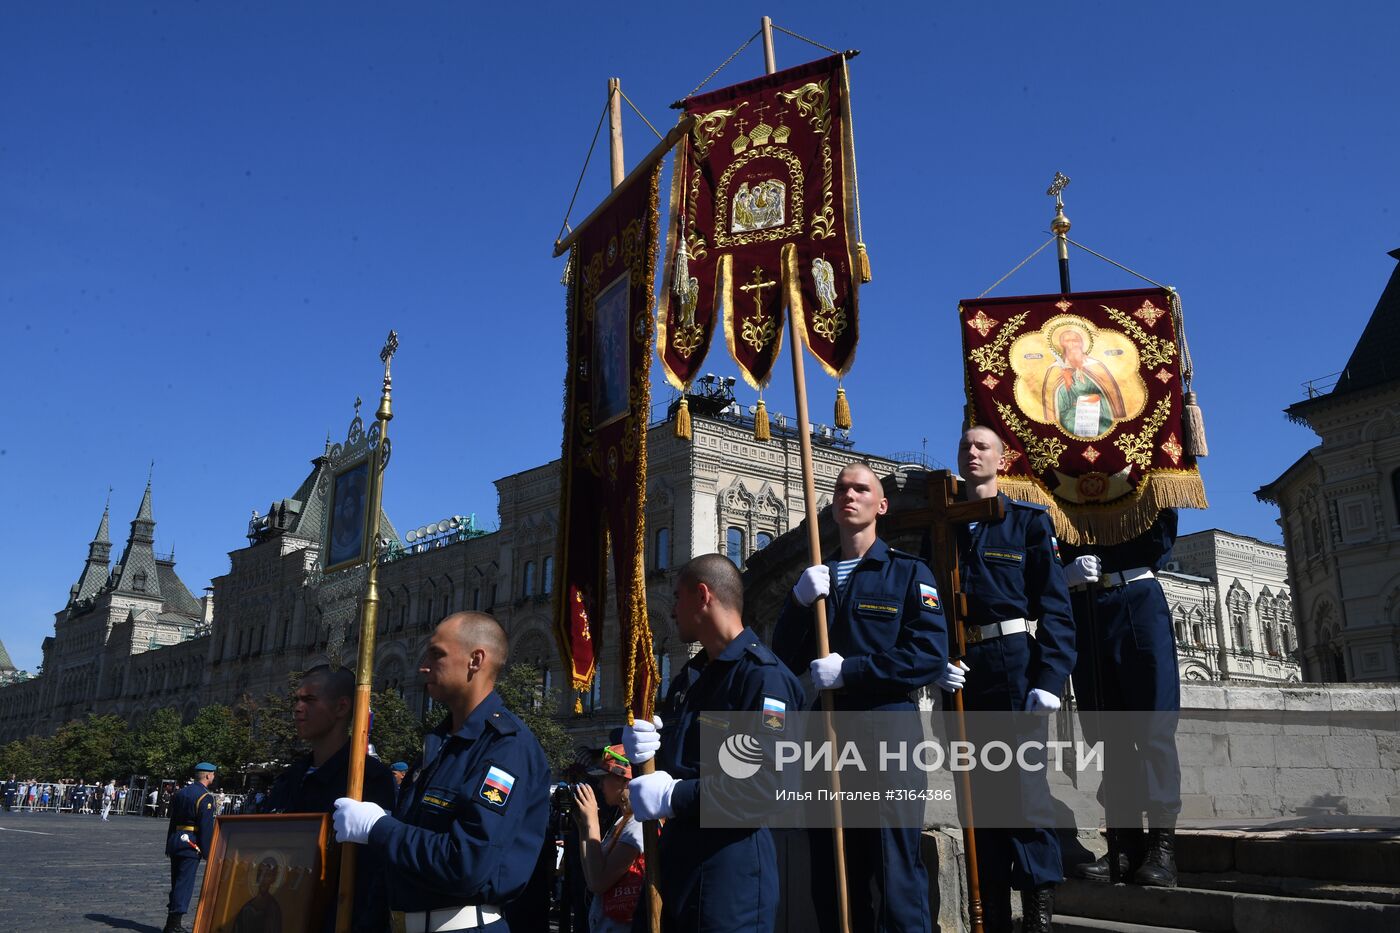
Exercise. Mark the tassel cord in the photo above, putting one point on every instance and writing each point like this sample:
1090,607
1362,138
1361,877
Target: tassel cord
1017,267
639,113
851,151
806,40
725,63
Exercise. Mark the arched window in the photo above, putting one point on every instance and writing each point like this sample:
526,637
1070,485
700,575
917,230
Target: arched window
548,577
734,546
762,540
528,586
661,559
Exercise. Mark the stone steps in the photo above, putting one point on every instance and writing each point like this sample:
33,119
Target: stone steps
1311,888
1350,857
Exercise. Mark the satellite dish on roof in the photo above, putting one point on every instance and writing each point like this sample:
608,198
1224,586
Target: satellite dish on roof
411,535
423,532
443,526
454,521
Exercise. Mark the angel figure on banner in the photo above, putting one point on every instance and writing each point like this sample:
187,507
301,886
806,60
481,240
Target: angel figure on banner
1079,392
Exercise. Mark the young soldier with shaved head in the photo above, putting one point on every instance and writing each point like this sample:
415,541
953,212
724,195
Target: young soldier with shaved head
712,879
1011,574
887,638
470,821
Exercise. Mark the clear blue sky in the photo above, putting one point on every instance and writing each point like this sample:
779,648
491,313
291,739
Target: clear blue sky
211,214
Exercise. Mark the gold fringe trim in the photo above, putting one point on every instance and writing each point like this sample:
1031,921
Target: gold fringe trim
674,233
843,410
682,425
760,423
1113,523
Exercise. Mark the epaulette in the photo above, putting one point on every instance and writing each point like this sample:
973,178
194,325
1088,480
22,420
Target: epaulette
1034,506
762,653
905,554
504,722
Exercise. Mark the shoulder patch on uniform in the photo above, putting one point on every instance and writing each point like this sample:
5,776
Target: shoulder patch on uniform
496,786
928,595
774,714
1035,506
1055,546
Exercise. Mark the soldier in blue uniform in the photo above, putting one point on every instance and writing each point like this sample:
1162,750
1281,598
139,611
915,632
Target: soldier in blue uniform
1010,575
321,711
1137,672
888,638
712,879
187,841
467,831
10,791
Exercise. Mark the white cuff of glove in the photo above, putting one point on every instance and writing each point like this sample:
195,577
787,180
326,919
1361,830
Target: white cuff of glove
826,672
814,583
642,740
650,796
355,818
1041,701
954,677
1083,570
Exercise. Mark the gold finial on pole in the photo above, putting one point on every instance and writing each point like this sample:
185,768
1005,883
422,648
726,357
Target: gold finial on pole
1060,227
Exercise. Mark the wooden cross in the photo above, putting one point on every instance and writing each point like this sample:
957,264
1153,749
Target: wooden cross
757,285
941,519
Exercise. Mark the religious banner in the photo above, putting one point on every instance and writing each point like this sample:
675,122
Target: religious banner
603,471
1086,391
764,216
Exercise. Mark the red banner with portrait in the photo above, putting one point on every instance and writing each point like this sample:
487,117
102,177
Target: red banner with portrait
1086,391
763,218
603,470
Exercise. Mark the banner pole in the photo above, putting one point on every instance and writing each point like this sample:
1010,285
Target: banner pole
1060,227
651,829
809,498
369,617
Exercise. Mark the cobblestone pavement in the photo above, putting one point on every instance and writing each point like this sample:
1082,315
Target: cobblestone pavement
61,873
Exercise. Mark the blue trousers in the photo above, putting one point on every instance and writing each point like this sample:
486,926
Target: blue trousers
182,872
1137,673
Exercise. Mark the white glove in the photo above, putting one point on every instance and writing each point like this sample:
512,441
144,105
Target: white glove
1083,570
954,677
650,795
1041,701
815,582
355,818
642,740
826,672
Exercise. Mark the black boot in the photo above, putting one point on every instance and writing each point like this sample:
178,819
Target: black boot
172,924
1037,909
1129,843
1158,868
996,911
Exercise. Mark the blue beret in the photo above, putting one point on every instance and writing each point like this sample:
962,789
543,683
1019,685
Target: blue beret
205,766
399,766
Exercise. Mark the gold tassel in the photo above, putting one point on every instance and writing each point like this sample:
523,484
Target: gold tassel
578,704
1193,428
843,410
862,263
760,423
682,426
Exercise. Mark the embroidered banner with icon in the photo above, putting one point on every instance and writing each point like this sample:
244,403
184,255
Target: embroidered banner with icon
1086,391
603,471
763,217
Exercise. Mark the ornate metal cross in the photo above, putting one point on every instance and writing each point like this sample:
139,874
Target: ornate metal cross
1057,187
391,346
757,285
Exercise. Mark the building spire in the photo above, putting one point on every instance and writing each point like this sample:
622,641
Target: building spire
138,563
96,571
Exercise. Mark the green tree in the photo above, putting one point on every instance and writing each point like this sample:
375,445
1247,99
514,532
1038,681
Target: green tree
29,757
89,748
523,694
156,748
397,735
221,736
272,728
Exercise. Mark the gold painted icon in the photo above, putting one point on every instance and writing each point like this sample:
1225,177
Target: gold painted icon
1079,377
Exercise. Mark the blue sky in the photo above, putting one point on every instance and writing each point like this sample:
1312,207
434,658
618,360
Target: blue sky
211,215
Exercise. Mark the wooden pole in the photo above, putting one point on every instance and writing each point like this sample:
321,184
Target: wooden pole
369,617
651,829
814,545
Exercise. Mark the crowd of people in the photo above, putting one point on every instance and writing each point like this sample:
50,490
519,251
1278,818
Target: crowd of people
73,796
464,837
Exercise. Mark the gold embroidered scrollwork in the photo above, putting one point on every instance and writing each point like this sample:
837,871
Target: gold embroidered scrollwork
1138,448
1156,351
813,101
991,357
686,337
1043,453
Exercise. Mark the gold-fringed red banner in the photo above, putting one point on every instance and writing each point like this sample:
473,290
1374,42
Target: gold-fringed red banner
1086,391
603,472
763,217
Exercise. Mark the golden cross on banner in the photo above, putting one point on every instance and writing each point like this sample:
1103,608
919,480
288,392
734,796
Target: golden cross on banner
757,285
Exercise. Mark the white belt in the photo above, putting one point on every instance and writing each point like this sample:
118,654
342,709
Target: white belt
1119,578
981,633
445,919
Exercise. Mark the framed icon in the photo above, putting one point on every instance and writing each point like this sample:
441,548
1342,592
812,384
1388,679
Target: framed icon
347,528
267,872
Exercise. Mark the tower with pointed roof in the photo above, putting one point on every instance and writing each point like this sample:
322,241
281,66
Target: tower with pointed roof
97,570
1339,510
